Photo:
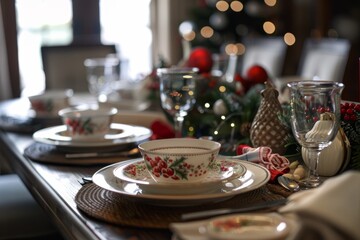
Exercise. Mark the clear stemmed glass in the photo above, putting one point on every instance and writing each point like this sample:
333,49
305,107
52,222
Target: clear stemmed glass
177,93
315,119
101,75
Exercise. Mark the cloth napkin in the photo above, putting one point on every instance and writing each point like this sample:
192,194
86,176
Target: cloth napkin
331,211
275,163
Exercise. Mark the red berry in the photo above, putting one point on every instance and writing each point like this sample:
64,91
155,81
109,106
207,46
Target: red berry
170,171
175,177
353,117
357,108
350,111
156,170
321,110
153,163
157,158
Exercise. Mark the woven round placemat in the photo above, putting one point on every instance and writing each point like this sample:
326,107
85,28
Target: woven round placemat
117,209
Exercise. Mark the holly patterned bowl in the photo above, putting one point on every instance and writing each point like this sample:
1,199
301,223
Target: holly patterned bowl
50,102
179,160
87,121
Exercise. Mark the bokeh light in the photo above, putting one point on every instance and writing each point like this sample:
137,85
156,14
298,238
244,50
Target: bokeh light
269,27
270,3
236,6
222,6
289,39
207,32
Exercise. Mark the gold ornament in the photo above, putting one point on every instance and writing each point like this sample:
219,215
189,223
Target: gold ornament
267,129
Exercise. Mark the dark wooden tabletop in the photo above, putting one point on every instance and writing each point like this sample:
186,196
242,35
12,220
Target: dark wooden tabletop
55,186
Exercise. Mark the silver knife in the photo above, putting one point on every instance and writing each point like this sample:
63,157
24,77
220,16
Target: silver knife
222,211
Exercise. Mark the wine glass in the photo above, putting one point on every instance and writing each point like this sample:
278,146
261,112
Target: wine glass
177,93
315,119
101,75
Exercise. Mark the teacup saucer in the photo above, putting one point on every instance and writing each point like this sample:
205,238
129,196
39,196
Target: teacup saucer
223,170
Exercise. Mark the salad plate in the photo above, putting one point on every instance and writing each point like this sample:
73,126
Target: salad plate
247,226
254,177
222,170
120,134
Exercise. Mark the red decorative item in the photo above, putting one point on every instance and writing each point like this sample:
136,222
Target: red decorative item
201,58
240,149
241,84
257,74
161,130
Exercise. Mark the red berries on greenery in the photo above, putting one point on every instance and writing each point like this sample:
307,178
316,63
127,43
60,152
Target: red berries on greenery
349,111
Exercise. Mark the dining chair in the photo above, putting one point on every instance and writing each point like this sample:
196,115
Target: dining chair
324,59
64,65
20,215
268,52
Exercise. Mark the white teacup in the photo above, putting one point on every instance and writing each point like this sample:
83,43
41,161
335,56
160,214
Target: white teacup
179,160
87,121
50,102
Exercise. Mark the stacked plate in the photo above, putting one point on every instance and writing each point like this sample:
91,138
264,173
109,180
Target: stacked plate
226,179
119,137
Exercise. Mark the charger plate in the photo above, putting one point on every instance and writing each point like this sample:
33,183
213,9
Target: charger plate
115,208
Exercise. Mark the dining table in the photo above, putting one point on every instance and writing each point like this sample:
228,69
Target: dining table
85,210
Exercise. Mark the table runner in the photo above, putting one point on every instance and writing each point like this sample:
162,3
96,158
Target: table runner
117,209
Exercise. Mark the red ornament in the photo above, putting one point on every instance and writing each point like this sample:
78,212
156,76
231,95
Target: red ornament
257,74
201,58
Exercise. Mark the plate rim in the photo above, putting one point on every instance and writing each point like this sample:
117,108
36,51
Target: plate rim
56,136
40,136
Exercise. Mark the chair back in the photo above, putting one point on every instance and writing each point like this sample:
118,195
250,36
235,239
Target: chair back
268,52
64,65
324,59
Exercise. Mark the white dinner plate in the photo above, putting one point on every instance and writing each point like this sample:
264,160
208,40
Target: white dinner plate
136,172
255,177
120,134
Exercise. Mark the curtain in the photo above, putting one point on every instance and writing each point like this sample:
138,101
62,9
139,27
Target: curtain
5,88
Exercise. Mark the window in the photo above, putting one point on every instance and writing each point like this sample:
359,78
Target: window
127,23
48,22
39,22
